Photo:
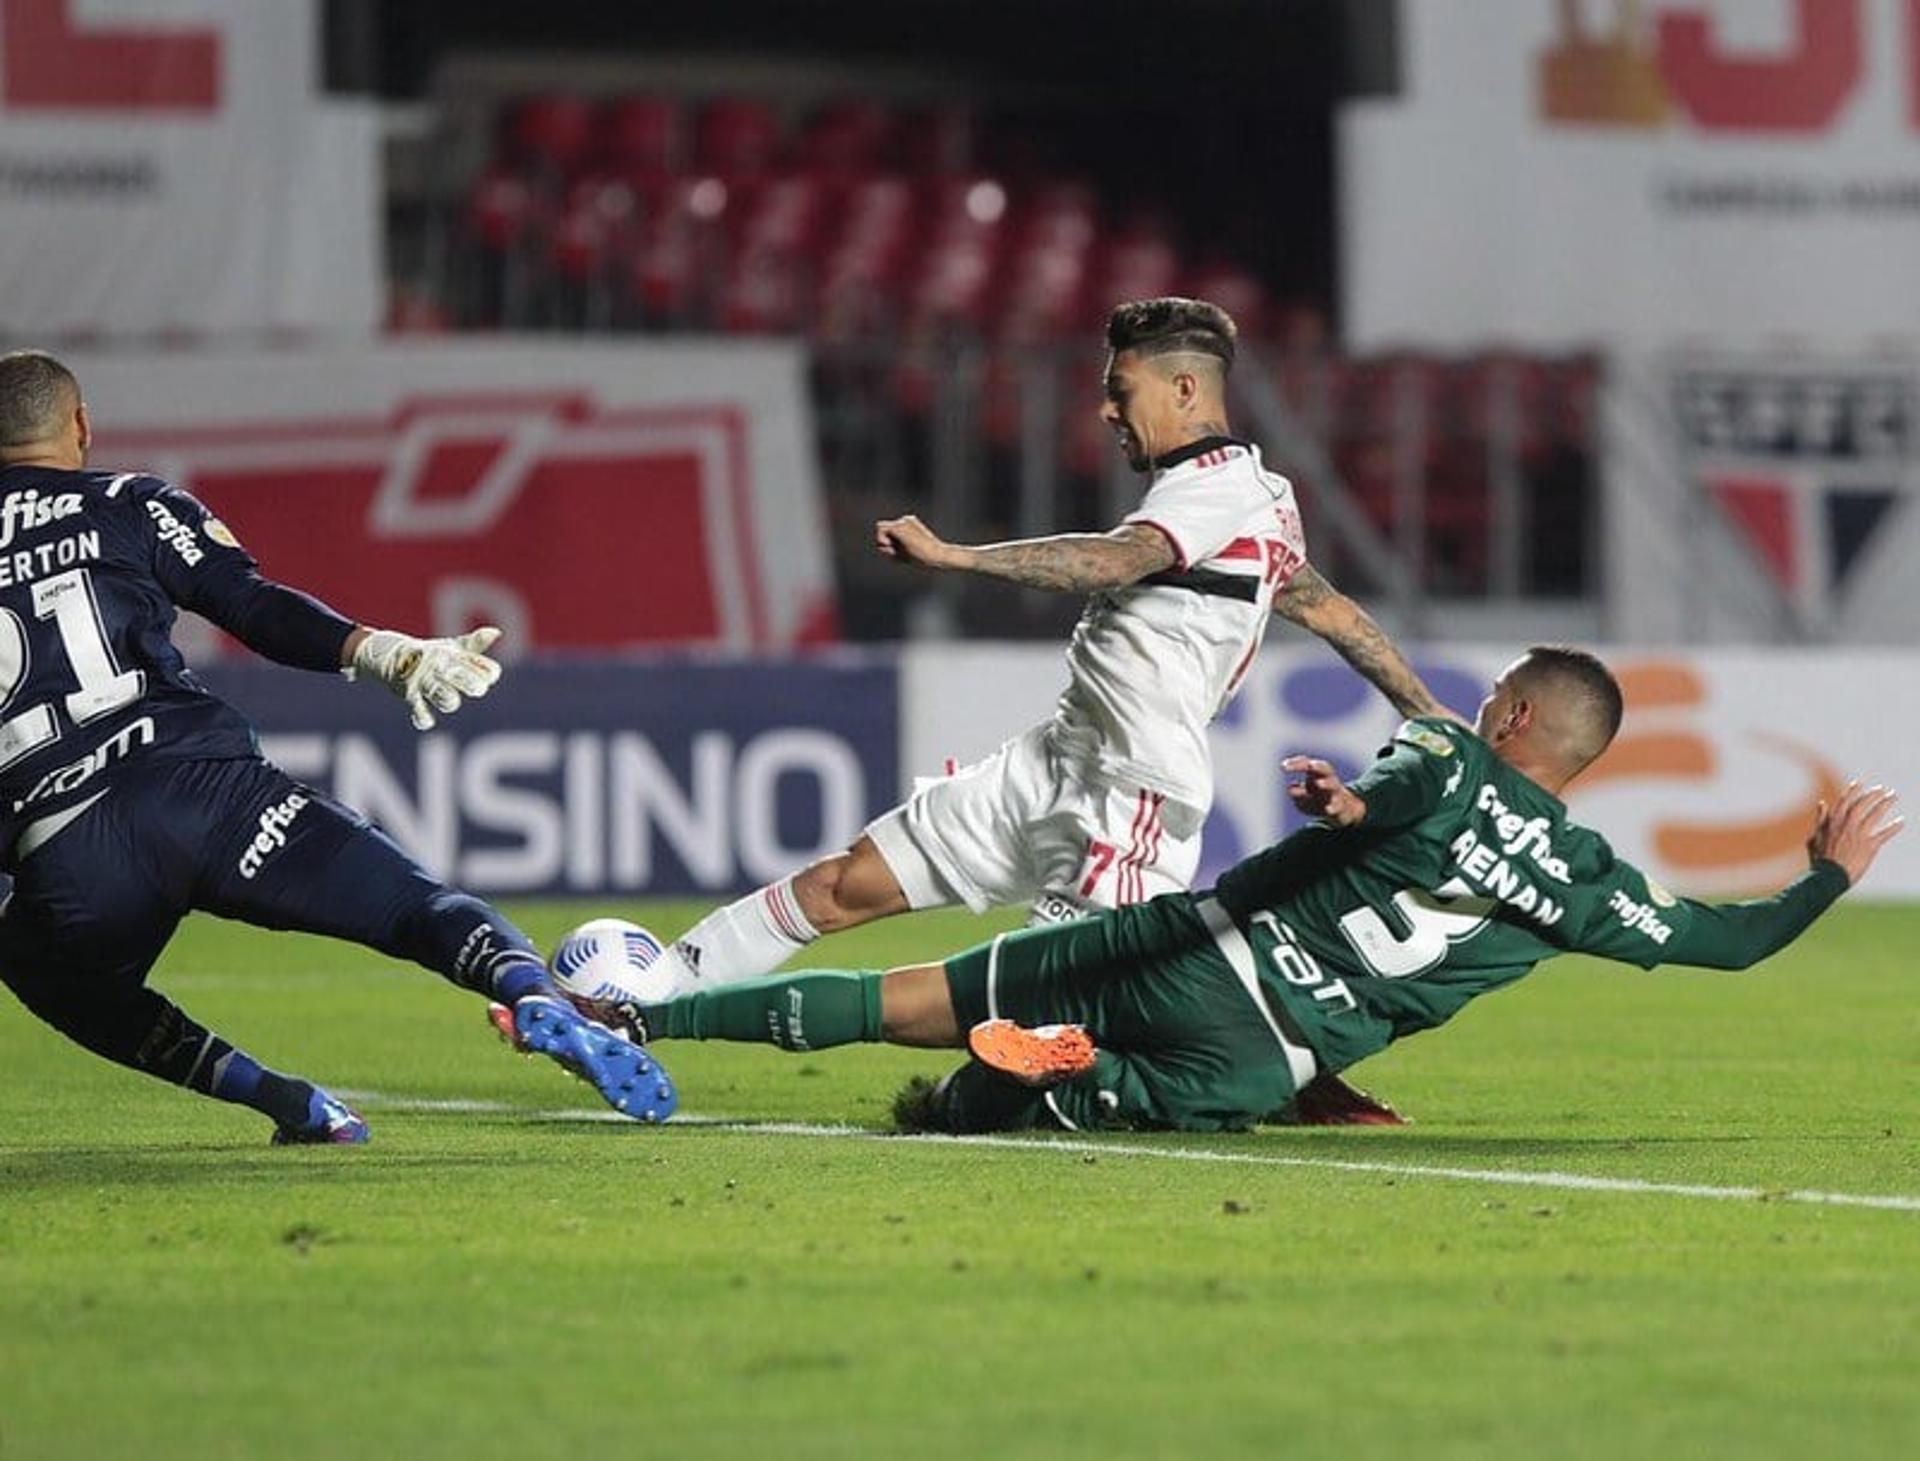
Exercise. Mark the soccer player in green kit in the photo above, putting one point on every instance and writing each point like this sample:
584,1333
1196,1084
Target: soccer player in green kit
1447,870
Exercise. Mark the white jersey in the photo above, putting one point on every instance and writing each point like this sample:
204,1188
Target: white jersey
1153,663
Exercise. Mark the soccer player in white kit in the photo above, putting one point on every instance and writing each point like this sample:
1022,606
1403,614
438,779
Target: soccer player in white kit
1103,804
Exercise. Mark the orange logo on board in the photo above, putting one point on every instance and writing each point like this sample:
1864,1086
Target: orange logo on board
1646,70
1656,742
1603,80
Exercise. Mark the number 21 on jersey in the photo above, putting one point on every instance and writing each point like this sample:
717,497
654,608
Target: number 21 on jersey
68,600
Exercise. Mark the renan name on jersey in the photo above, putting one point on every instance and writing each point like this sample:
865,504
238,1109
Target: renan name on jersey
1480,863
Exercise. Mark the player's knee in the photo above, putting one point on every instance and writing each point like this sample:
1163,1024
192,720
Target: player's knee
848,888
129,1024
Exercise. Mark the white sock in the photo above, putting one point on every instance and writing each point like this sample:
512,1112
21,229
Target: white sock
744,940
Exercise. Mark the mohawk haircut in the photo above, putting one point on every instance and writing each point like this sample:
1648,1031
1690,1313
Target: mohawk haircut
1586,689
1173,326
35,391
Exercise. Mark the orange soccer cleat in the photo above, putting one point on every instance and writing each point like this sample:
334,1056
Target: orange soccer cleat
1043,1056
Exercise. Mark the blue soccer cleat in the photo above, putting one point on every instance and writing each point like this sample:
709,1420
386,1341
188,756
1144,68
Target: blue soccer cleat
337,1124
627,1078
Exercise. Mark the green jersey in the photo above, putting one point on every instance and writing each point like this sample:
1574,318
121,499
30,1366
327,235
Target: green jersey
1463,875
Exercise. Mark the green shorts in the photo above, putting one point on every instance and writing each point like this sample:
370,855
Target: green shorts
1183,1044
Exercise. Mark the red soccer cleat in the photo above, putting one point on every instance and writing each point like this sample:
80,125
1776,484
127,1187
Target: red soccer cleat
1326,1100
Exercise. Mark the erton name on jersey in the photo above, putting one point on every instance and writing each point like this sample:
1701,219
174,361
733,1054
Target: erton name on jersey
94,567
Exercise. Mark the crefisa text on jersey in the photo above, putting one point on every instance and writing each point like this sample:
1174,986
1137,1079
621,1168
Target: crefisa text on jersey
23,512
1481,862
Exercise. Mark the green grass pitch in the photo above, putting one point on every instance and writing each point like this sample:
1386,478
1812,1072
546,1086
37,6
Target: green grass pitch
505,1278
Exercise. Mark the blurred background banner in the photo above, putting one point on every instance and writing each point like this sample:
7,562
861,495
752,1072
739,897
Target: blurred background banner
582,495
1637,171
1710,787
172,166
1763,493
602,777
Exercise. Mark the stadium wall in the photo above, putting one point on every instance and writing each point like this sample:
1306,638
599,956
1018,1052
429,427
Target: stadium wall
584,495
1762,495
1636,174
623,778
182,173
1710,786
609,778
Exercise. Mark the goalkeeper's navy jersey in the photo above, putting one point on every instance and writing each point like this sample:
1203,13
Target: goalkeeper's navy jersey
92,565
1462,877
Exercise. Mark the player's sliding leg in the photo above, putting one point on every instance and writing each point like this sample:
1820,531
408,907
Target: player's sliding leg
755,935
333,873
815,1009
1111,1092
133,1026
963,838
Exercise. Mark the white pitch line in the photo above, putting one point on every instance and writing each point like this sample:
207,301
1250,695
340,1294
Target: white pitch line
1494,1176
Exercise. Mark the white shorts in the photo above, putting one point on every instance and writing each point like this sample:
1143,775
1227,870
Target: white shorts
1029,825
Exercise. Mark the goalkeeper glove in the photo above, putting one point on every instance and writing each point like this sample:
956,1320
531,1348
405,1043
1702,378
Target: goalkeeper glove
429,674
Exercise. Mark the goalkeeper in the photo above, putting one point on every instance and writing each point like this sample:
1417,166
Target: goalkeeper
129,795
1447,870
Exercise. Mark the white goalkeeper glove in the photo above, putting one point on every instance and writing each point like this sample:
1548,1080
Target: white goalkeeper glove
429,674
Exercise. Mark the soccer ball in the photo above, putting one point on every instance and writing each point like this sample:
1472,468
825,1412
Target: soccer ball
609,967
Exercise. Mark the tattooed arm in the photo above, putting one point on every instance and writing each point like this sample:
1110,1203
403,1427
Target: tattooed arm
1313,603
1075,563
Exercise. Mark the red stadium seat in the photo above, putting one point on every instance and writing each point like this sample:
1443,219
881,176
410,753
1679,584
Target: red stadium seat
642,134
763,293
499,209
954,277
1300,329
785,214
854,135
938,141
553,134
1141,264
680,247
599,215
862,257
1046,294
767,285
736,135
1235,290
952,282
1051,264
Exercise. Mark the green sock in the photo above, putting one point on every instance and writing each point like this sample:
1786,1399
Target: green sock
815,1010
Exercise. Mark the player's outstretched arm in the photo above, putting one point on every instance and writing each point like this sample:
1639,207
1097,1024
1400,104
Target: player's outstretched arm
428,674
1065,563
1311,602
1846,838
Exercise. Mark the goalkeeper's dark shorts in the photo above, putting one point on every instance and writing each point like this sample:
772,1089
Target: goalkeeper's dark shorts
92,907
